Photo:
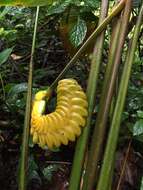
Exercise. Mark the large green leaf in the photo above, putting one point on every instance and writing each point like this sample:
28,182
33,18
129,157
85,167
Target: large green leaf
138,128
27,3
18,88
48,171
4,55
78,32
59,7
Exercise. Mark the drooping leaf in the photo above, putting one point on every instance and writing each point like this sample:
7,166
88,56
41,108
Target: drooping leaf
48,171
3,12
140,114
32,169
4,55
91,3
78,32
138,128
18,88
27,3
59,7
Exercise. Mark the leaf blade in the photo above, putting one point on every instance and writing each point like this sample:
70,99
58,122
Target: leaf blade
4,55
78,32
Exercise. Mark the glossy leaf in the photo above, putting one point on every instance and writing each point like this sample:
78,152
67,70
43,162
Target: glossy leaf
18,88
4,55
48,171
3,12
138,128
140,114
59,7
78,32
32,170
91,3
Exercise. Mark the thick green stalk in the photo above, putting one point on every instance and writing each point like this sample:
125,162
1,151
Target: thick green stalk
25,140
108,161
119,32
91,89
92,166
91,38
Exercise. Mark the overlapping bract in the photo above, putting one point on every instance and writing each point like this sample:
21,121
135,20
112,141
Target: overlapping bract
64,124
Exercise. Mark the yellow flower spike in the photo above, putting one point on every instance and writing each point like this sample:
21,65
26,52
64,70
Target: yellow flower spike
64,124
70,133
61,112
40,95
59,118
39,125
80,110
32,131
56,140
63,103
78,119
80,94
48,141
38,107
77,129
48,124
64,139
35,137
79,101
54,121
63,98
51,140
42,141
63,108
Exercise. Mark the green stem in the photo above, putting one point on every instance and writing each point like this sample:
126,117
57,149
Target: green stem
25,140
92,166
3,89
119,32
108,161
91,38
91,90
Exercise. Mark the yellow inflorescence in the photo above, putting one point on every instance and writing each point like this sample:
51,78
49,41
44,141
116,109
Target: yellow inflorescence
64,124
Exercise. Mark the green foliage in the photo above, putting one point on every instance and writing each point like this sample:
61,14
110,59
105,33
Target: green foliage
141,186
16,97
48,171
75,15
5,55
59,7
138,128
27,3
78,32
32,168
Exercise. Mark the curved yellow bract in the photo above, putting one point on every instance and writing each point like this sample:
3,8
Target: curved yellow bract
64,124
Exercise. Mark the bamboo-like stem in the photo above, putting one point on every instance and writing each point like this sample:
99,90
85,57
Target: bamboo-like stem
2,84
124,165
92,166
91,38
25,140
91,90
115,125
119,32
93,76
